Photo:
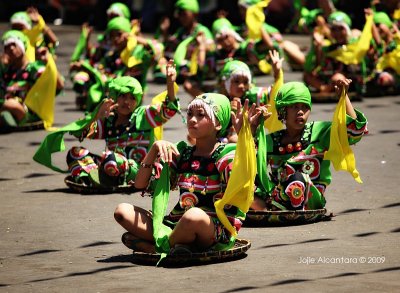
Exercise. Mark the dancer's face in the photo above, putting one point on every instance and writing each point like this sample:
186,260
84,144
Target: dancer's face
126,104
297,116
239,86
339,33
199,124
13,51
118,39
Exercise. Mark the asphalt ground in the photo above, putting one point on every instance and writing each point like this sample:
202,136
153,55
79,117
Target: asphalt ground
52,240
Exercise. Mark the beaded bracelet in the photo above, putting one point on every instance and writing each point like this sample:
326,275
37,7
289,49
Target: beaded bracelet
144,165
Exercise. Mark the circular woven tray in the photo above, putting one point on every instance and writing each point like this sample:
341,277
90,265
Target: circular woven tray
97,189
239,249
30,126
268,218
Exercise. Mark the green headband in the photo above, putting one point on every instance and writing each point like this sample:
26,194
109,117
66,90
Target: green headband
308,17
381,17
248,3
125,84
340,17
119,23
292,93
120,9
17,37
220,106
190,5
223,26
23,18
235,67
219,24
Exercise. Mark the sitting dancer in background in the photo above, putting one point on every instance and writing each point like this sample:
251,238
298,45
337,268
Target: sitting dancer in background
126,126
17,77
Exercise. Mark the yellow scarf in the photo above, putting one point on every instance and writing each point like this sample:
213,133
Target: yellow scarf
340,153
355,52
273,123
255,18
34,35
240,189
126,54
396,14
390,60
158,131
41,97
194,64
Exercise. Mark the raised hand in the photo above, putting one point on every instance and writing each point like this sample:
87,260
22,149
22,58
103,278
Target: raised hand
106,109
33,14
165,24
171,71
342,84
253,115
276,61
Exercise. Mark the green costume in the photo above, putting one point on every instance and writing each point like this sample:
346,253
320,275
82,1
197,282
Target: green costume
201,181
15,84
89,81
298,173
126,145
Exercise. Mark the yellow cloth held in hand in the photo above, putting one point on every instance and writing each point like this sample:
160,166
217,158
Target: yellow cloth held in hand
41,97
264,66
34,36
255,18
273,124
126,54
390,60
35,33
240,189
355,52
396,14
339,152
194,65
30,52
158,131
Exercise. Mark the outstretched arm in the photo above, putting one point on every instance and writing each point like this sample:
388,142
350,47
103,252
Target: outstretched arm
171,78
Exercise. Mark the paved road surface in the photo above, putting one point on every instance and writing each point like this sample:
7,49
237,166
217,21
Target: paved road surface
52,240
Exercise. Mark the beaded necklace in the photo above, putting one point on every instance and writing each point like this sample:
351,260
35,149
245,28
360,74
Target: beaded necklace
291,147
122,130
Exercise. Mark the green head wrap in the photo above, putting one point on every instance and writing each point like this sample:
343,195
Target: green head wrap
248,3
191,5
308,17
16,37
222,26
381,17
119,9
339,17
125,84
119,23
215,105
292,93
234,68
21,17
